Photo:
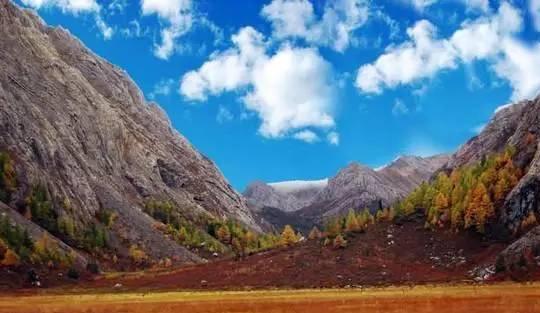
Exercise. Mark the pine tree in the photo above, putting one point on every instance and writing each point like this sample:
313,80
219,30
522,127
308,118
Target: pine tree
352,224
480,208
288,236
315,233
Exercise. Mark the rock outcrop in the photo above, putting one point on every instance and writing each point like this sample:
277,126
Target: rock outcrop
80,127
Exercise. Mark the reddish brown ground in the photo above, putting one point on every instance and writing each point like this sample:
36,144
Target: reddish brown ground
415,256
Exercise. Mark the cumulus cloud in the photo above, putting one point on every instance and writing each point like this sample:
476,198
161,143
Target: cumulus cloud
290,90
490,39
335,28
75,7
178,17
420,57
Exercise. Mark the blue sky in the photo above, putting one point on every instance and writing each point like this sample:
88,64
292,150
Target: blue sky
297,89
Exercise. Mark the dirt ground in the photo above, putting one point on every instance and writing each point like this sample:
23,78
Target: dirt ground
387,254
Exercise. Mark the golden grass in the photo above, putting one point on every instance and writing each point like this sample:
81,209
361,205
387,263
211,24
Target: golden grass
505,297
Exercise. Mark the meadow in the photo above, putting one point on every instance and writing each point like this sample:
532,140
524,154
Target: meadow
505,297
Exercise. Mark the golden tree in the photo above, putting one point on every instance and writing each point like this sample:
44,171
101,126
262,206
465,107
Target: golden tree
288,236
10,258
480,208
352,224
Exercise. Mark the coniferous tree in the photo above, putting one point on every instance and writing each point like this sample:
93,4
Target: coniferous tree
288,236
352,224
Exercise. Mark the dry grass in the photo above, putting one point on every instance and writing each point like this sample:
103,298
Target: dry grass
505,297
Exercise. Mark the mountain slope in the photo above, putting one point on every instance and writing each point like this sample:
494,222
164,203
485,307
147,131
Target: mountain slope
354,187
79,127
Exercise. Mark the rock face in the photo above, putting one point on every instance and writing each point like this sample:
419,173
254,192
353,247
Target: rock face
354,187
79,126
357,186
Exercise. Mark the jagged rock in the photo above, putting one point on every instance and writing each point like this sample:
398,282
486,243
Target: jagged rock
79,126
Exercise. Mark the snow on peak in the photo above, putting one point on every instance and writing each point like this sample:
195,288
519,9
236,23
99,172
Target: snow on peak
297,185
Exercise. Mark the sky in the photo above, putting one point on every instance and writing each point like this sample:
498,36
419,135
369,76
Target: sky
277,90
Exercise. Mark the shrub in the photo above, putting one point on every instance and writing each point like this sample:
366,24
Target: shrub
72,273
93,268
137,255
8,182
339,242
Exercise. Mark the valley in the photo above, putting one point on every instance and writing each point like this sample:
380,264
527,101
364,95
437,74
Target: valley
102,200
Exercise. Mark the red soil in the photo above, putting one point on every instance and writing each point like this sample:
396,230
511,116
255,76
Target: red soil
385,254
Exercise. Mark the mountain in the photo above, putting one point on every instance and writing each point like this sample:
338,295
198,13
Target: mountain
518,126
354,187
83,140
288,196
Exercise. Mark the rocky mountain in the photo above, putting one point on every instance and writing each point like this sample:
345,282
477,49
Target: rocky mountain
287,196
354,187
357,186
516,125
79,128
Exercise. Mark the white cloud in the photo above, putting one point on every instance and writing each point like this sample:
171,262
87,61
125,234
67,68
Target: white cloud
335,28
69,6
399,108
477,5
290,90
420,57
489,38
333,138
420,5
307,136
177,15
75,7
534,7
162,88
224,115
519,65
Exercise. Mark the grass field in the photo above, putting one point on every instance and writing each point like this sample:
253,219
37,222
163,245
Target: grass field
514,298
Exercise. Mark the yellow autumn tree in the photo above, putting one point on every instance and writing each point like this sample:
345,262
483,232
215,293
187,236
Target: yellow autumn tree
480,208
351,223
10,258
288,236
